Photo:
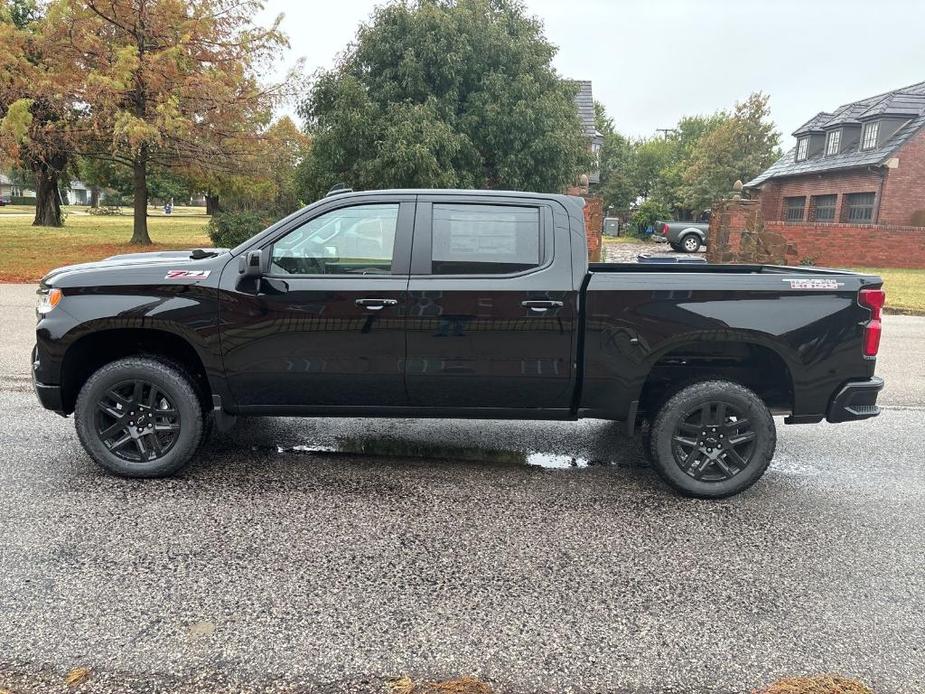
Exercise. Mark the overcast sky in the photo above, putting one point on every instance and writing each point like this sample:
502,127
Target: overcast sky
652,61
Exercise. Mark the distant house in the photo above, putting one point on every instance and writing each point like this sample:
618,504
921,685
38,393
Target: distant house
584,101
864,163
78,193
8,188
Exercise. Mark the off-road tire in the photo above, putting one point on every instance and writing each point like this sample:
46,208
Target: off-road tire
666,452
174,383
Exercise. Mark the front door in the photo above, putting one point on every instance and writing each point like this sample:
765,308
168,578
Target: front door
324,327
491,321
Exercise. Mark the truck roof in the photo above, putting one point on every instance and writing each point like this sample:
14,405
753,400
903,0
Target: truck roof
561,197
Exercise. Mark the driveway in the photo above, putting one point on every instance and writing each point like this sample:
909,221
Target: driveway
284,560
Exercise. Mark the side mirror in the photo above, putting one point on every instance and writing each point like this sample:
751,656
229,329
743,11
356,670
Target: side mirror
250,264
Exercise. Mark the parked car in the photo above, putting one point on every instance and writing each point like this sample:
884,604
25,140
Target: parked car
5,201
477,304
686,237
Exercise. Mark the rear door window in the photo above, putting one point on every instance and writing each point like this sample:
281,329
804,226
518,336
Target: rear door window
484,239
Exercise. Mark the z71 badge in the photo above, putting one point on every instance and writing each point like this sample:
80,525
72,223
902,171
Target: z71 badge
815,284
187,274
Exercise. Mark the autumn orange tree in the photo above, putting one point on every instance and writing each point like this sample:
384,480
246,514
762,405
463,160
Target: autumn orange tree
39,121
168,83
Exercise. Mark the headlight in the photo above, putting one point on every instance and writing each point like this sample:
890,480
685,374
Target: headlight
48,300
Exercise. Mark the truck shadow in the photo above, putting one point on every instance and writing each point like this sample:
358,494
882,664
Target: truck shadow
551,445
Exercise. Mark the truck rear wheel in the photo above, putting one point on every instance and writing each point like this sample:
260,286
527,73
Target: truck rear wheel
139,417
690,243
712,439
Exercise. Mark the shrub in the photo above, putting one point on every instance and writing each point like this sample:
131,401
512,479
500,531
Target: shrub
22,200
229,228
646,215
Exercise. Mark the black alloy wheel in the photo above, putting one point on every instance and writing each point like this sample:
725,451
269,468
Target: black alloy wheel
713,442
137,421
712,439
141,416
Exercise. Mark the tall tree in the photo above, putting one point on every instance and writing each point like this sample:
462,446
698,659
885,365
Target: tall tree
617,164
739,148
444,93
169,83
38,119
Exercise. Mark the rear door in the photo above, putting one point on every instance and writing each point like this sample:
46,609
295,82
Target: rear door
325,327
491,316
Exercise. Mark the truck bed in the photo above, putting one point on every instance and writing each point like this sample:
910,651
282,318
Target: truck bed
715,269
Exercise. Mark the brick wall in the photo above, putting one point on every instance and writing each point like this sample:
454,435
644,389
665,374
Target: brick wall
846,245
832,183
904,188
738,234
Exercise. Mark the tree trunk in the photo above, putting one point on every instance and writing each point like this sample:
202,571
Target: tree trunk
140,186
212,204
47,198
94,197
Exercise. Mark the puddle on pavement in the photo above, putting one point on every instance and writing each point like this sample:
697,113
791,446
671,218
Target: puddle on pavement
390,447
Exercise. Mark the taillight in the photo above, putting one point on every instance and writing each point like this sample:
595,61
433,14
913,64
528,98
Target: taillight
872,299
664,230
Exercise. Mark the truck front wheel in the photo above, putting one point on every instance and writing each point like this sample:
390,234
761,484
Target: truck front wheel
712,439
139,417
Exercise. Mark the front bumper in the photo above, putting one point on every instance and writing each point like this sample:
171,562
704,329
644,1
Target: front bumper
49,396
855,400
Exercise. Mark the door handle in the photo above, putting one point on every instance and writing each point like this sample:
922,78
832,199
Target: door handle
541,306
376,304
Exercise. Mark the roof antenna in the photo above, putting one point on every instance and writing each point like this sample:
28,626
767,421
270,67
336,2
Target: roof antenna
337,189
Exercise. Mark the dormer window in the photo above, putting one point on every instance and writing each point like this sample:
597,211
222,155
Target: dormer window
802,145
871,131
832,143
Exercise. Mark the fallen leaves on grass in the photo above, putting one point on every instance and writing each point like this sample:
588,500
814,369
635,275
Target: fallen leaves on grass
820,684
457,685
77,676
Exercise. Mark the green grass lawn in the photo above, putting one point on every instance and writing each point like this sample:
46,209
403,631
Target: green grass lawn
905,289
29,252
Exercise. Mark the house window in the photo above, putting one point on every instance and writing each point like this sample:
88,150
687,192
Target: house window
802,145
822,208
793,209
871,131
859,207
833,140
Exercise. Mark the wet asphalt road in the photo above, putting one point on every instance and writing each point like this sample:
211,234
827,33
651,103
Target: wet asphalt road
443,551
257,568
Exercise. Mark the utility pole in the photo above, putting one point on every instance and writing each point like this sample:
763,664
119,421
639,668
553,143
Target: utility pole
665,131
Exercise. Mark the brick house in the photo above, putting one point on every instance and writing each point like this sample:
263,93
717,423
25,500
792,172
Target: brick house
863,164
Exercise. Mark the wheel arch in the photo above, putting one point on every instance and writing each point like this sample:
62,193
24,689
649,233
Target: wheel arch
95,349
749,363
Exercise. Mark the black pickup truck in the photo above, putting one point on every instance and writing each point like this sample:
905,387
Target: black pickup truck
428,303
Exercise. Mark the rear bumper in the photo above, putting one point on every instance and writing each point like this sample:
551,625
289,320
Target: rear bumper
855,400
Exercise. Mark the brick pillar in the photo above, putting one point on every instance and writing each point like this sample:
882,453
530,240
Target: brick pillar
594,222
738,235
